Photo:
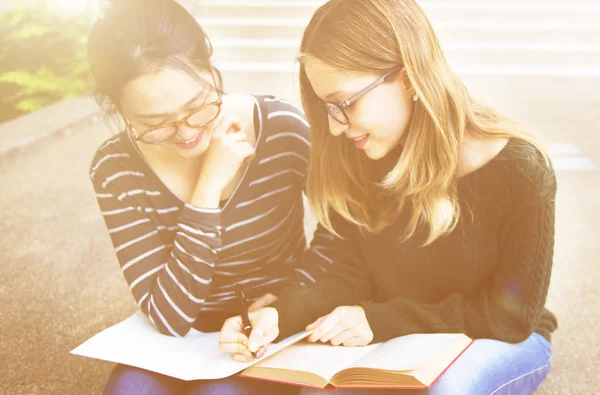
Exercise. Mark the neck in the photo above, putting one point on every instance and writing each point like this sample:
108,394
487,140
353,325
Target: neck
475,151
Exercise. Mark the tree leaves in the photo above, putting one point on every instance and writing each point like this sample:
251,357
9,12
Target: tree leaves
42,59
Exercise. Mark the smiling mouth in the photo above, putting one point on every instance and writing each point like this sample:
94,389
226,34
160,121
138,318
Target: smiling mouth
192,140
190,143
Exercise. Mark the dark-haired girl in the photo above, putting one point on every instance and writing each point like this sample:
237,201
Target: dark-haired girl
202,191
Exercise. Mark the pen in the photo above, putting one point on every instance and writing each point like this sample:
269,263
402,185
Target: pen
245,319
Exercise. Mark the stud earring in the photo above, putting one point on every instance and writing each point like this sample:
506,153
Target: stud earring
415,97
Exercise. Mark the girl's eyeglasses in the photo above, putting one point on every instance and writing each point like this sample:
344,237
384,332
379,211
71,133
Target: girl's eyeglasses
198,118
337,111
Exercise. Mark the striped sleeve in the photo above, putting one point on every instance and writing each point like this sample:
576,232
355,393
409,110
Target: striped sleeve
169,282
291,133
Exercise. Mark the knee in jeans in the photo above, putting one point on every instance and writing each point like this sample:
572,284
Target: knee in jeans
128,380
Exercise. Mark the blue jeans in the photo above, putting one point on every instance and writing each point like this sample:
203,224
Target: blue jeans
127,380
487,367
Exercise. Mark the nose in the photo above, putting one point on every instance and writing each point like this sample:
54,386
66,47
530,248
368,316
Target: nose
186,132
336,128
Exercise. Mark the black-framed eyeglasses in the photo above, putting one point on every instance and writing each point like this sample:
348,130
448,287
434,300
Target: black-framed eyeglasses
337,111
198,118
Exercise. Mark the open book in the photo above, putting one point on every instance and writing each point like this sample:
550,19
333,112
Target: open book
408,361
413,361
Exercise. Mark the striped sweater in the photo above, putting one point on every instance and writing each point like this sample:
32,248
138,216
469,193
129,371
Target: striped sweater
182,262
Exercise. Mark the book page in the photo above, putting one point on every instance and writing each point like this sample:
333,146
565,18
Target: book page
320,359
409,352
136,342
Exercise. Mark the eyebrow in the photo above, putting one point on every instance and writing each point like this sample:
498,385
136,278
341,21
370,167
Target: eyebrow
337,95
196,97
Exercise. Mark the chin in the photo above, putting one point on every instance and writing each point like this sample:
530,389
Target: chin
375,154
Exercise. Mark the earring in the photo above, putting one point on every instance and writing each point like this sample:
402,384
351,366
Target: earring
415,97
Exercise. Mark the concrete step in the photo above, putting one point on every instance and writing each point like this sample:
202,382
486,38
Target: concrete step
437,11
273,50
292,28
521,83
256,9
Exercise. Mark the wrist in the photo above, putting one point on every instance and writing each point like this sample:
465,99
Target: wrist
206,196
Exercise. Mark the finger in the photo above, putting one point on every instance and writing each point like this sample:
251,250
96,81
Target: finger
238,338
261,352
256,340
335,331
263,301
242,358
257,304
271,298
242,149
236,128
271,335
343,336
237,137
232,331
315,324
259,338
227,123
246,152
328,324
355,341
234,348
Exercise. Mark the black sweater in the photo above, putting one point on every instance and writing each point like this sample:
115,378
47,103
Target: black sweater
488,278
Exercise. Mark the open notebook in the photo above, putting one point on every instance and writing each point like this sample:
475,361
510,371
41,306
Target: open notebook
195,356
408,361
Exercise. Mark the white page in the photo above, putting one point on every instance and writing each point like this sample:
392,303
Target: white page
136,342
320,359
407,352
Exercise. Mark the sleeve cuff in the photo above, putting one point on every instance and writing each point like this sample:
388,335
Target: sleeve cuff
200,218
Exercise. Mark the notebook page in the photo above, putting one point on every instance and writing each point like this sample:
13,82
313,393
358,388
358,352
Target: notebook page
408,352
320,359
136,342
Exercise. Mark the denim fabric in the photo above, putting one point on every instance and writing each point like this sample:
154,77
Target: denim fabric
127,380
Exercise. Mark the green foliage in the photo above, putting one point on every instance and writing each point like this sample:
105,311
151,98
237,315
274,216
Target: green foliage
42,59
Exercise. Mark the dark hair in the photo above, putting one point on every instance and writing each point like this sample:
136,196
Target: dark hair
135,37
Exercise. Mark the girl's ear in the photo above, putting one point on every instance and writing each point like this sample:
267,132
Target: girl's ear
404,78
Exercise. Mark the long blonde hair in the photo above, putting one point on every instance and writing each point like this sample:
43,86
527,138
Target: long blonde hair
374,36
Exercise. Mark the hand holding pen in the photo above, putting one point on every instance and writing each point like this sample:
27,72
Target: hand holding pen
245,318
235,338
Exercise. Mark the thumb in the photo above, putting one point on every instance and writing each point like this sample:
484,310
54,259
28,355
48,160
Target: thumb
256,340
264,331
262,338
